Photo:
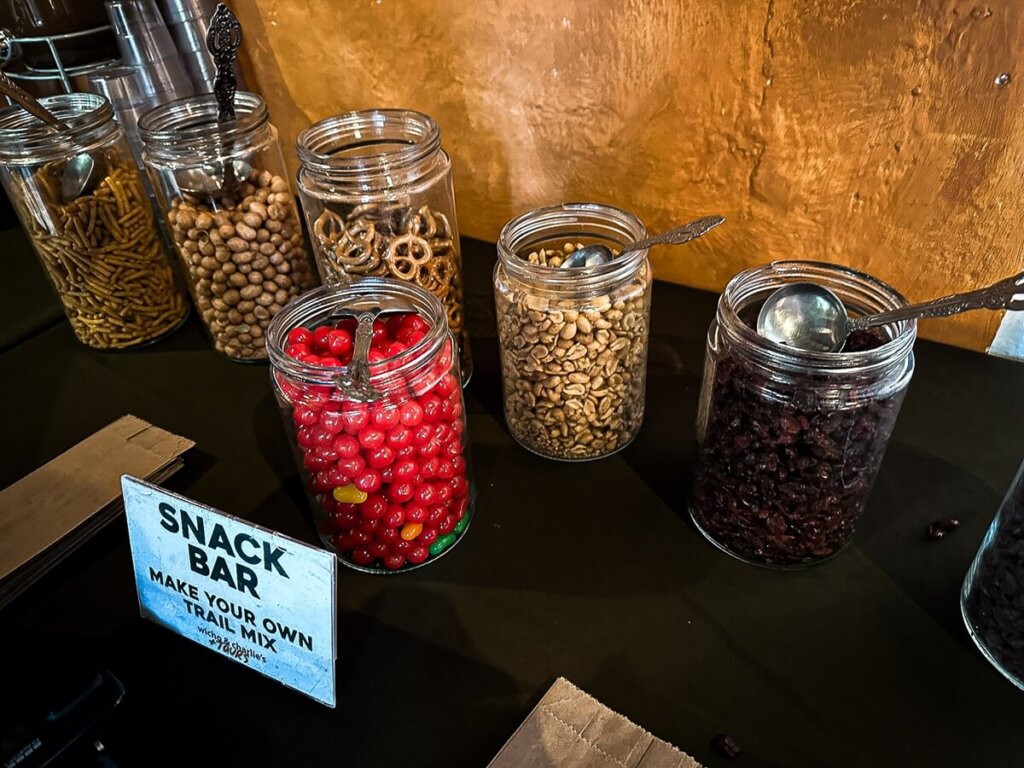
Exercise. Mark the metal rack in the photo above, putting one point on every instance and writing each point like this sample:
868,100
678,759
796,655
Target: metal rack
10,51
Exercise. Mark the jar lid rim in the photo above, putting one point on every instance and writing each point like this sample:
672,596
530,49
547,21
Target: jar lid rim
563,215
312,303
178,127
789,358
26,139
322,145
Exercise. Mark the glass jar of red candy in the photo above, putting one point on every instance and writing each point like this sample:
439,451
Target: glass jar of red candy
791,441
388,474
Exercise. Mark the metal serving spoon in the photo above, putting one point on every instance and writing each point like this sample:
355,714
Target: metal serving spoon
355,381
597,254
810,317
223,40
81,172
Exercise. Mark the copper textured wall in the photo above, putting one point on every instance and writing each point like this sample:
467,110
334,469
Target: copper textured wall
870,132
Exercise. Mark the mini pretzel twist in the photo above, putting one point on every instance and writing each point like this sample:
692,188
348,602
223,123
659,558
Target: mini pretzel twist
328,229
406,254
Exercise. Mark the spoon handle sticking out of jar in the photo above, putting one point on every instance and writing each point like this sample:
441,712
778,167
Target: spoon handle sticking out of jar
679,235
223,40
355,381
29,103
1006,294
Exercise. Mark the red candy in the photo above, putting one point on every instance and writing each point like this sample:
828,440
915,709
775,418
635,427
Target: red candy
404,451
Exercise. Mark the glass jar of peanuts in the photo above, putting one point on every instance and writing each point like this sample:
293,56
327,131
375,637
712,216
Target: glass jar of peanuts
80,198
377,193
791,441
386,466
233,219
574,340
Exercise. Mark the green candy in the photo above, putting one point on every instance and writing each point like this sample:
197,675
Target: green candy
442,544
461,525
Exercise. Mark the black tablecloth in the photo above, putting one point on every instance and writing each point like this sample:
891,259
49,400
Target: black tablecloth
592,571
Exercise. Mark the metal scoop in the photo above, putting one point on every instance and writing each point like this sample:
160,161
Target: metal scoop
355,381
811,317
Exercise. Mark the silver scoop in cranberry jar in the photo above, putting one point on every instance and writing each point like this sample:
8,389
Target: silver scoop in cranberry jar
812,318
596,254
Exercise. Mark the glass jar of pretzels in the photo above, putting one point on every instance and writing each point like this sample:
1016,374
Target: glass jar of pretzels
224,190
80,198
377,193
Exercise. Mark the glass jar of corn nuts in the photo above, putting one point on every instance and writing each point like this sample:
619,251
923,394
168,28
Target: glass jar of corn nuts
224,190
81,201
377,193
573,340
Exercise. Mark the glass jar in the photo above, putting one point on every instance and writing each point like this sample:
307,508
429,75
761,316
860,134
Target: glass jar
992,601
96,237
389,479
791,441
377,193
224,190
573,341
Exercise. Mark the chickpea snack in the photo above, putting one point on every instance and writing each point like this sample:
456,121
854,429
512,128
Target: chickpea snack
231,214
94,232
573,341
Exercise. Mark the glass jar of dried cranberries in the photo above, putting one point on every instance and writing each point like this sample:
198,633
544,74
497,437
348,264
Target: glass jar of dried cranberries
389,478
791,441
992,600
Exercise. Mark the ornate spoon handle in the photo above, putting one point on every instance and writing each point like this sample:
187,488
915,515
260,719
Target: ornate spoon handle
355,381
679,235
1006,294
223,41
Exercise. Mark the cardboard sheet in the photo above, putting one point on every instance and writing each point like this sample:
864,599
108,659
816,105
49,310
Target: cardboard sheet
50,512
571,729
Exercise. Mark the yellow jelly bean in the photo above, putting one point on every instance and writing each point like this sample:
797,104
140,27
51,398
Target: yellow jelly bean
349,494
411,530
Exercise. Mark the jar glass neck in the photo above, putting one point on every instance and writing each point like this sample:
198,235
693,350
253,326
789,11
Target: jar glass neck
370,149
553,226
330,303
188,127
860,293
24,139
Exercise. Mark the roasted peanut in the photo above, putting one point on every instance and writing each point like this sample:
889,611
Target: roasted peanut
244,264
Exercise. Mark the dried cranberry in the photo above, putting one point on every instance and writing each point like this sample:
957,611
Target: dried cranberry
726,746
940,528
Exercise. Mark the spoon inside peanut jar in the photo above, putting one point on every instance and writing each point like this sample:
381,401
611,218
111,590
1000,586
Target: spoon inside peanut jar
596,254
812,318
